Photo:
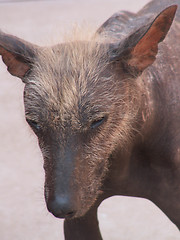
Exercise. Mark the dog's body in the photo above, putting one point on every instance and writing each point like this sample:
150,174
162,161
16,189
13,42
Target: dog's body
106,113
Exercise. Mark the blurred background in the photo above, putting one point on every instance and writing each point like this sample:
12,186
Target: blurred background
23,214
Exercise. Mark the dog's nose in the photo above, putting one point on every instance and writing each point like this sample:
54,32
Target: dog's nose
61,207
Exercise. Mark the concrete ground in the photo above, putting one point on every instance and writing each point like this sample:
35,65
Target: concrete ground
23,214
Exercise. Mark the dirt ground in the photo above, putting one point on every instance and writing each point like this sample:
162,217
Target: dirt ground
23,214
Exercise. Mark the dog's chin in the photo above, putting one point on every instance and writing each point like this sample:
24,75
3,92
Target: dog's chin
71,215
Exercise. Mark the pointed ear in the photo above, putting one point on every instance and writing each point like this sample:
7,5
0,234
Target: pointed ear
17,54
139,50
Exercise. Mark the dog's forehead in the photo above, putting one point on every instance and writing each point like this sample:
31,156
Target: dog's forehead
65,76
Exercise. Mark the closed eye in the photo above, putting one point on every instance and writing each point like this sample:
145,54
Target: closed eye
33,124
96,123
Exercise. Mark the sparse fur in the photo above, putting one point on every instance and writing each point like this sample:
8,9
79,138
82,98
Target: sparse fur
69,81
106,114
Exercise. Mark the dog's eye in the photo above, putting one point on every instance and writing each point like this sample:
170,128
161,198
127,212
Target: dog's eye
96,123
33,124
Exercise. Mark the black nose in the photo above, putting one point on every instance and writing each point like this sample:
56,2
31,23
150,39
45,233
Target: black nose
61,207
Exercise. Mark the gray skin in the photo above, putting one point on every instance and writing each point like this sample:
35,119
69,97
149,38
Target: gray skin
92,159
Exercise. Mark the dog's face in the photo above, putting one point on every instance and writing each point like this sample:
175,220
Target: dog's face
75,106
79,101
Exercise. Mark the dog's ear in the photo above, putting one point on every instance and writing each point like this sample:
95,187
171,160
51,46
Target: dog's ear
17,54
139,50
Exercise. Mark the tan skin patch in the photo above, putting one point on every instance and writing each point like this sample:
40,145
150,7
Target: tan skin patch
15,67
146,49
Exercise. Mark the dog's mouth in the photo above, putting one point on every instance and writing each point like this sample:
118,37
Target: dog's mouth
61,215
